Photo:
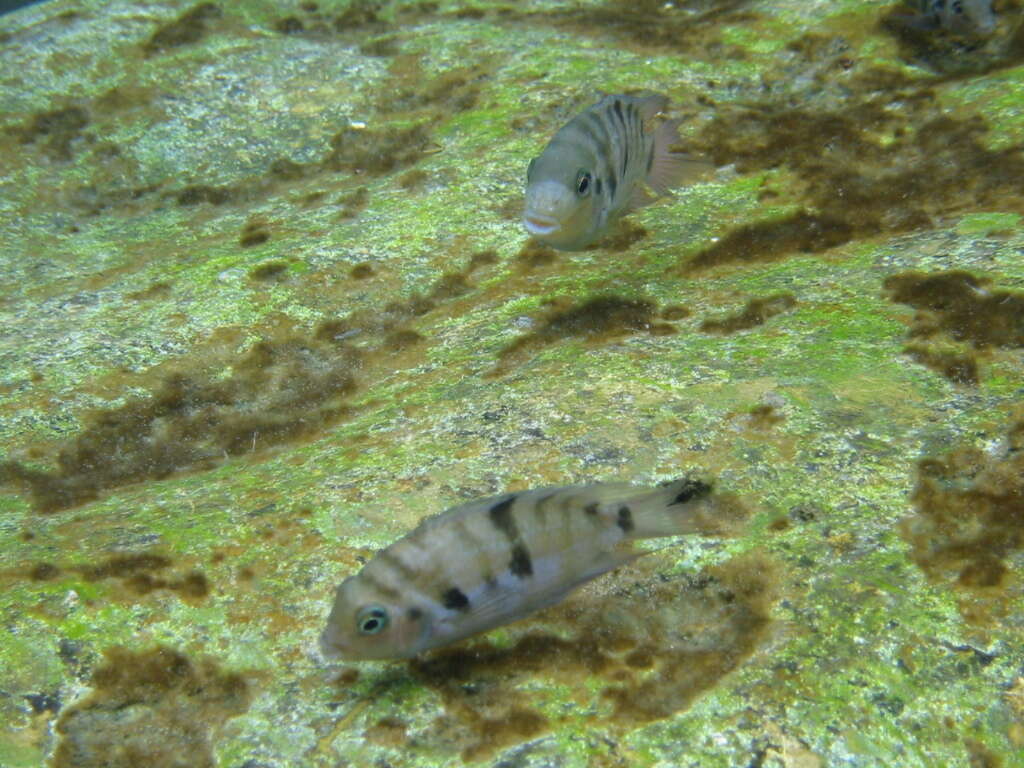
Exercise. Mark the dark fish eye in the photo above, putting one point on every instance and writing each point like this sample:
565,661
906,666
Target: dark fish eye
582,183
958,6
371,619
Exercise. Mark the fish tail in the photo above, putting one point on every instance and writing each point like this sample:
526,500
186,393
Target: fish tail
649,104
673,169
687,505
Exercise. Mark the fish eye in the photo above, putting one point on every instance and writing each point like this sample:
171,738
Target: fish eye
958,6
582,183
371,619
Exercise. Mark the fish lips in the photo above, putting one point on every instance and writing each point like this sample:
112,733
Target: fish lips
539,225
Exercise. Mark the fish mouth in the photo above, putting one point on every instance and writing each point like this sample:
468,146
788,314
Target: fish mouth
539,225
330,649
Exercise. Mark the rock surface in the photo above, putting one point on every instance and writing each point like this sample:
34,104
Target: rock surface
266,303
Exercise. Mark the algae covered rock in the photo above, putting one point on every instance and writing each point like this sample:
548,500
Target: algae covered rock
266,303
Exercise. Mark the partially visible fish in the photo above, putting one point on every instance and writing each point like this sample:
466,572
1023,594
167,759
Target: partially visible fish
960,17
596,167
493,561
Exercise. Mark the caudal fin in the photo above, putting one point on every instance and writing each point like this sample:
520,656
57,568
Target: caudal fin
673,169
684,506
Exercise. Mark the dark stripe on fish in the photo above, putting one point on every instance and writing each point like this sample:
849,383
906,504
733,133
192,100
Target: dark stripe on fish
591,509
474,544
602,137
597,187
501,518
584,134
625,158
616,123
414,614
391,558
454,599
540,510
385,590
636,125
521,563
650,158
617,109
625,520
692,489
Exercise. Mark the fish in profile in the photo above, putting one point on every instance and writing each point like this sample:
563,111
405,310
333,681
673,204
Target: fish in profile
496,560
959,17
597,166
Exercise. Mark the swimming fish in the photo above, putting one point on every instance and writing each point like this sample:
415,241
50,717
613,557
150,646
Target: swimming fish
496,560
596,167
961,17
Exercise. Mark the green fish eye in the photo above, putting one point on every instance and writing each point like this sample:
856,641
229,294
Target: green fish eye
582,183
372,619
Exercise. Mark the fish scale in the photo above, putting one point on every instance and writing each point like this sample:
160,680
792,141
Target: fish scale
492,561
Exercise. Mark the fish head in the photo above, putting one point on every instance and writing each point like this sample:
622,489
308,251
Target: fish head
563,208
363,625
970,17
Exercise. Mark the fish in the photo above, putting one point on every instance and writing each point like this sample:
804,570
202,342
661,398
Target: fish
959,17
597,167
496,560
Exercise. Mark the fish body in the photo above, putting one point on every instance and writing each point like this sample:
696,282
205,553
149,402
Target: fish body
496,560
960,17
596,167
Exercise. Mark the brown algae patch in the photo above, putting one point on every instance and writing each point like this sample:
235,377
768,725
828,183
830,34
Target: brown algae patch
255,232
956,316
960,304
654,25
188,29
654,644
603,319
136,574
800,232
970,515
284,388
756,312
219,403
155,708
885,170
595,321
55,133
270,272
353,203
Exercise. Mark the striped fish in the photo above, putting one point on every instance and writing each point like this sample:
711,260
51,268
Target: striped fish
597,166
961,17
496,560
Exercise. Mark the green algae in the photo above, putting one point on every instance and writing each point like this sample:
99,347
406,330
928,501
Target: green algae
274,528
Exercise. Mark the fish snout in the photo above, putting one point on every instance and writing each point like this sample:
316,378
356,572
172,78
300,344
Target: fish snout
545,208
331,645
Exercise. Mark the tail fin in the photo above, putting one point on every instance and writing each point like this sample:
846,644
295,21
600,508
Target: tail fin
672,169
687,505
